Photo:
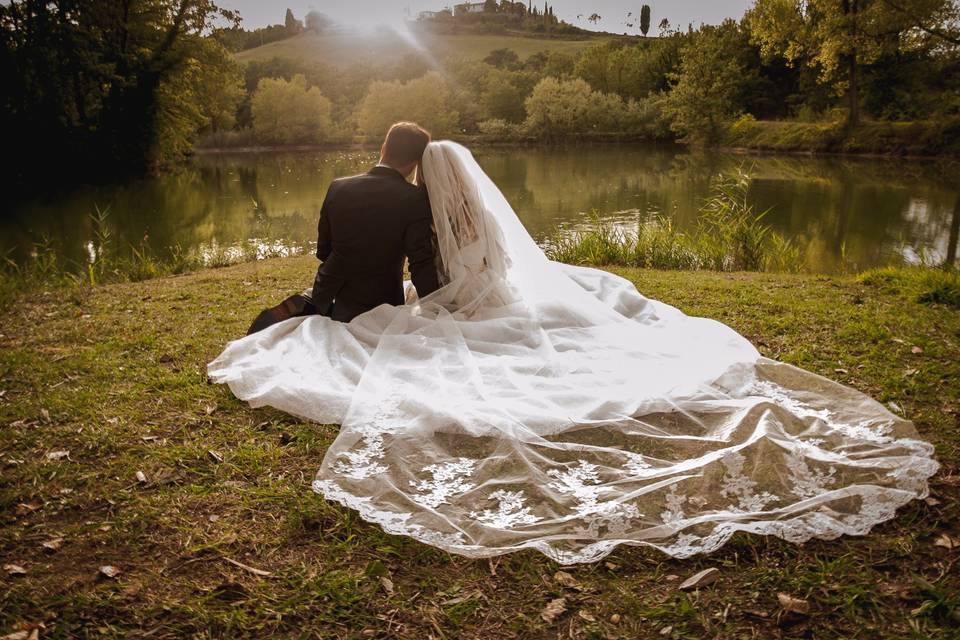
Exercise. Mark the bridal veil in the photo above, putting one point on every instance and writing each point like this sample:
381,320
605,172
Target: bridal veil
530,404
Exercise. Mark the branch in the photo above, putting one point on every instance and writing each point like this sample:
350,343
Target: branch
933,31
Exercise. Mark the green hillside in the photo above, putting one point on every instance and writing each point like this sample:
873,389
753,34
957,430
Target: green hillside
346,49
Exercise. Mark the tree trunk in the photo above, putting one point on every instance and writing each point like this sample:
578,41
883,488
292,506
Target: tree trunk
851,10
853,92
954,236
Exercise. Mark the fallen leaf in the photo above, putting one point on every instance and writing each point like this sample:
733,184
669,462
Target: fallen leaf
26,634
253,570
895,407
216,456
671,577
45,414
931,502
756,613
586,615
141,477
567,580
701,579
25,507
910,372
58,455
611,566
615,618
793,605
210,408
916,349
109,571
897,340
553,609
52,544
945,541
666,630
840,371
14,570
387,584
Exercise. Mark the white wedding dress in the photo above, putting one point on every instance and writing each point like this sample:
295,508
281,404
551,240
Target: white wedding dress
531,404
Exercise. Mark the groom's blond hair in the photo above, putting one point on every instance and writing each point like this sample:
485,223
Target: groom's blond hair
404,144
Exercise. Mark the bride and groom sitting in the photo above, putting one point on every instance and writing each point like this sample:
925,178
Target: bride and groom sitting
368,224
515,402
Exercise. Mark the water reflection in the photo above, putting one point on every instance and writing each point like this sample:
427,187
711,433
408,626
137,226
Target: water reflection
853,212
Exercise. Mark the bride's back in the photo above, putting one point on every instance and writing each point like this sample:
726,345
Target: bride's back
470,242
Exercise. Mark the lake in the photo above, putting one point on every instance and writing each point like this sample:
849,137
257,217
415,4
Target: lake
851,213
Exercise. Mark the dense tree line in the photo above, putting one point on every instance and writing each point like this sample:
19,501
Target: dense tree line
108,87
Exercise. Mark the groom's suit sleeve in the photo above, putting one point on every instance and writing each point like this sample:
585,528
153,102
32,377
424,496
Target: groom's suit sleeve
418,245
324,241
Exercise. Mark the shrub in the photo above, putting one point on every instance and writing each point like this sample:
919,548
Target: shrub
499,129
426,100
286,111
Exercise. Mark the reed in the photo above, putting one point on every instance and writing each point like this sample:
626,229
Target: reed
730,236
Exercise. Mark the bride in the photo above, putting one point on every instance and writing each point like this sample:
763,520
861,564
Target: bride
531,404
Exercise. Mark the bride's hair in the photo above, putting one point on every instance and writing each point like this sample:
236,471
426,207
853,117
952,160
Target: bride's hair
460,215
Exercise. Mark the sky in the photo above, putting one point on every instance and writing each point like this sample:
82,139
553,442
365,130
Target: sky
258,13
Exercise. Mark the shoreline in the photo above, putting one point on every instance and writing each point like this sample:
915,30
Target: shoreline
480,142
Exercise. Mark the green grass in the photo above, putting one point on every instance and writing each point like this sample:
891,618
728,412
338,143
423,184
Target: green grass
871,137
115,375
345,50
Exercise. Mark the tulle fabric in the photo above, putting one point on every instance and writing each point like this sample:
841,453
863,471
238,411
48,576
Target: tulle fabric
530,404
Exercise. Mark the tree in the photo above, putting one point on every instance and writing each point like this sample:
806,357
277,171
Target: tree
287,111
291,24
503,58
114,87
490,6
645,19
556,108
707,90
839,37
503,95
426,100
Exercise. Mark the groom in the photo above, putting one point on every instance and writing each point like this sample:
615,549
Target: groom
368,224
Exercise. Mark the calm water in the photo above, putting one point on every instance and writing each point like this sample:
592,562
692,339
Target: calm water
854,212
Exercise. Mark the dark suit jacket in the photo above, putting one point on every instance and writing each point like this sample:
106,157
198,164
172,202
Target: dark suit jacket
368,223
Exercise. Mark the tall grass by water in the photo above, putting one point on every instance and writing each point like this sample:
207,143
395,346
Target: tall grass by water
730,236
109,262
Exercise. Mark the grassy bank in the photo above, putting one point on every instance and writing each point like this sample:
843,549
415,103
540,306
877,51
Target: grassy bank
922,138
110,382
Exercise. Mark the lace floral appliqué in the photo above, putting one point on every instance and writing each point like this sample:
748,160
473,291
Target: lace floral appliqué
582,483
448,479
510,511
743,489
